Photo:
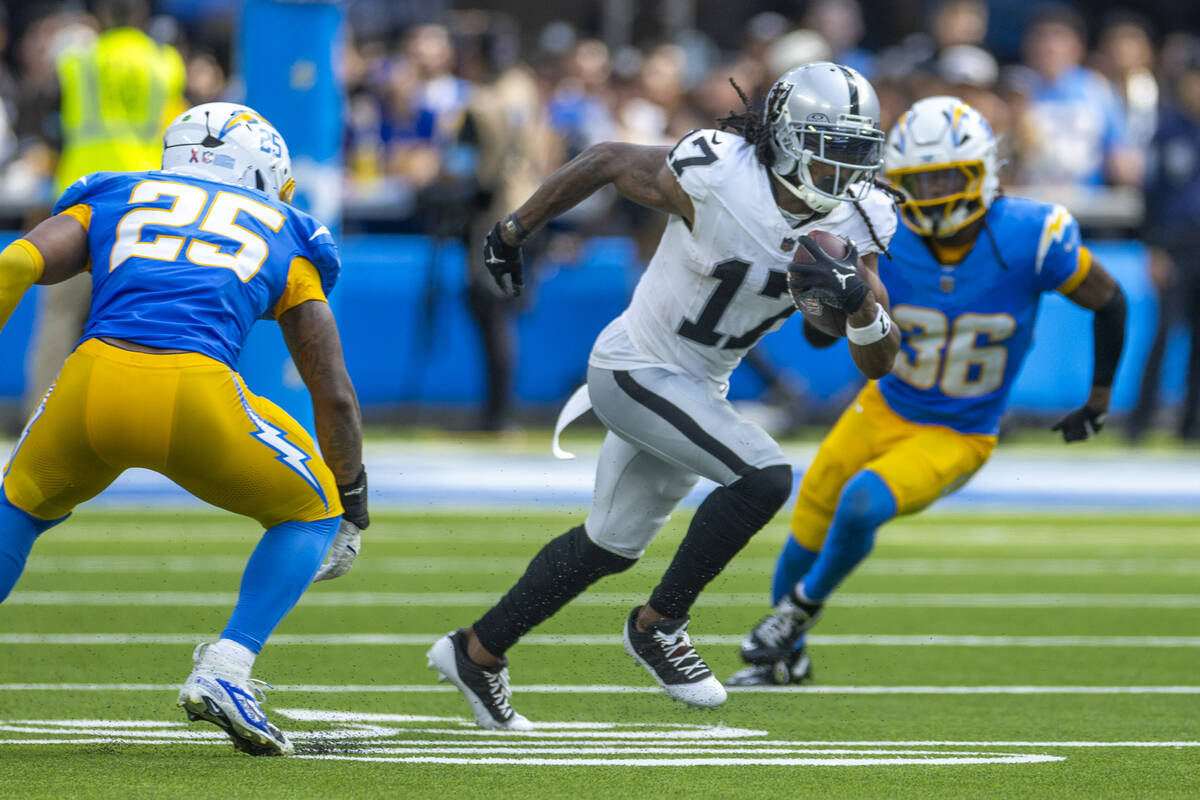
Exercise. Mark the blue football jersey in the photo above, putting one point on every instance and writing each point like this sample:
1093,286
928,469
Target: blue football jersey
966,329
185,263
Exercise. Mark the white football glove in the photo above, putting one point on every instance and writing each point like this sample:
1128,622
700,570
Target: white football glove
345,548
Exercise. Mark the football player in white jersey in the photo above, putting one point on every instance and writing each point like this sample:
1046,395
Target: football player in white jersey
740,200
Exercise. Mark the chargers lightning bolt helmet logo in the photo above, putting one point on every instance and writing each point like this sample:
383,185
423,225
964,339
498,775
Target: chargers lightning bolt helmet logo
230,143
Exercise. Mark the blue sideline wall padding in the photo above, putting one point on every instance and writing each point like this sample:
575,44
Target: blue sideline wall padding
408,337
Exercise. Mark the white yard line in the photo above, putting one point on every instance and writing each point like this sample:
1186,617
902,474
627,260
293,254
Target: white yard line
930,759
610,689
572,640
318,597
966,536
743,565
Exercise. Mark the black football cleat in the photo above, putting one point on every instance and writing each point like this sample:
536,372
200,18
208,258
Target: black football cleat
775,636
795,668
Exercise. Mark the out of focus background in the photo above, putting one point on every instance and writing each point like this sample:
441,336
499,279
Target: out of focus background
414,124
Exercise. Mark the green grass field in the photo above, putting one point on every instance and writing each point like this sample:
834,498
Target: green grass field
973,655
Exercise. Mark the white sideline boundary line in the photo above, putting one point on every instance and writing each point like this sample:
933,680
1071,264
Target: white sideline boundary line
571,640
613,689
743,599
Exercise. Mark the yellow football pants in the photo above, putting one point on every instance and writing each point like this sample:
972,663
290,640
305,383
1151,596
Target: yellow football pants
919,463
186,416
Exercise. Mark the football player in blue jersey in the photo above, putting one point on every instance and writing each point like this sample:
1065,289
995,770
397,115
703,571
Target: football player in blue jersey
183,261
966,273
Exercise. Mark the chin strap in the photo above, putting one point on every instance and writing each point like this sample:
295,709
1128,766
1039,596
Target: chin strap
817,202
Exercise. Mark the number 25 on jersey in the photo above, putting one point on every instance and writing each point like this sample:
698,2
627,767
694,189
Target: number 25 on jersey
963,359
220,222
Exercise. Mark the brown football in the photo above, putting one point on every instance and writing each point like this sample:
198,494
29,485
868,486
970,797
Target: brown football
825,318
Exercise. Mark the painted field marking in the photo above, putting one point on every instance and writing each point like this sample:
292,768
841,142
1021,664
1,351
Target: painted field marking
747,565
613,689
934,532
574,640
724,600
932,759
451,740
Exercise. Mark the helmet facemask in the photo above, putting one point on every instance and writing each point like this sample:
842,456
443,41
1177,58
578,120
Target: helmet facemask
941,199
941,156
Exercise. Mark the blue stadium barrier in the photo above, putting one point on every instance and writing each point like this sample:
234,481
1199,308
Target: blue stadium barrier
409,339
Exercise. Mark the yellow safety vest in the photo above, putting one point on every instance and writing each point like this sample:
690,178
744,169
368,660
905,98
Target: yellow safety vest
118,95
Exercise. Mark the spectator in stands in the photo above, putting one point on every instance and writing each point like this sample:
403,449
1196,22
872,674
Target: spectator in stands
422,99
840,24
959,22
1075,132
118,92
8,100
205,79
800,46
658,113
952,23
581,107
508,130
1125,56
1173,233
971,73
29,176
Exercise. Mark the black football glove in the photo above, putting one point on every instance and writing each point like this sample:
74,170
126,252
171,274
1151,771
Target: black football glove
832,281
354,501
1081,424
504,262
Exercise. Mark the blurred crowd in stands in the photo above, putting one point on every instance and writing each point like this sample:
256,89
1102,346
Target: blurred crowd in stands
1070,117
454,116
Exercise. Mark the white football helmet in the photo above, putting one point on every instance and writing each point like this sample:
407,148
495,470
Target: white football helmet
230,143
824,114
941,155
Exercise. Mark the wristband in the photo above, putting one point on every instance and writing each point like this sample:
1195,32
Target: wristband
878,329
514,228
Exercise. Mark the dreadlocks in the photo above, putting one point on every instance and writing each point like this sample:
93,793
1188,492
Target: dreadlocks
751,125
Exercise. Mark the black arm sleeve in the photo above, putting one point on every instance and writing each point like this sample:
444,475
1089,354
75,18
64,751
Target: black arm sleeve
1108,338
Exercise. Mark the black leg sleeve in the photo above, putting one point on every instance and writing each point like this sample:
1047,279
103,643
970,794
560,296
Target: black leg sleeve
560,571
723,524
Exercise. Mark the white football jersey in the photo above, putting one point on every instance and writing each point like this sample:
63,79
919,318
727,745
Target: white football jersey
712,291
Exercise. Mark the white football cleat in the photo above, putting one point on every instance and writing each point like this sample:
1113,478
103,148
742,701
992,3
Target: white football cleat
222,692
666,650
486,688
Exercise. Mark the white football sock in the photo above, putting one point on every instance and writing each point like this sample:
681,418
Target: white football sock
234,655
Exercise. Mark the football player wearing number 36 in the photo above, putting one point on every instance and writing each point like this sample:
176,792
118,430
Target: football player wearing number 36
739,200
183,261
966,273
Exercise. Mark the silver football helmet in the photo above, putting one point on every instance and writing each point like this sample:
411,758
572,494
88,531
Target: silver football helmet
824,115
